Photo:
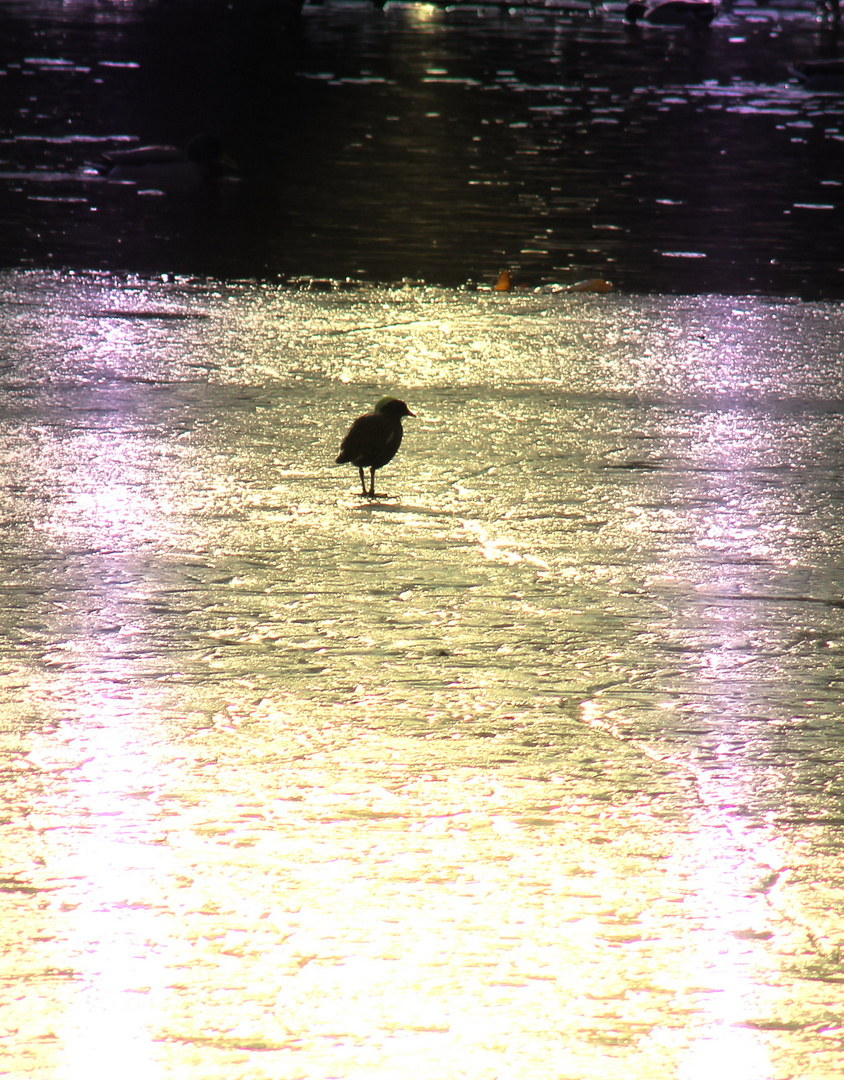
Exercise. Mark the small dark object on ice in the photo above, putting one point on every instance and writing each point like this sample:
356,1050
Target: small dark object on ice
373,439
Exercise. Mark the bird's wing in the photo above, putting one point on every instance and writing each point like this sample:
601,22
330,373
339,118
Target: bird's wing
368,437
360,435
146,155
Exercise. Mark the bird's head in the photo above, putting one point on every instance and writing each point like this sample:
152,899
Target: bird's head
210,155
392,407
635,11
203,148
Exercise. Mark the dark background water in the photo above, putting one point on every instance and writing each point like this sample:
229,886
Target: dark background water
415,142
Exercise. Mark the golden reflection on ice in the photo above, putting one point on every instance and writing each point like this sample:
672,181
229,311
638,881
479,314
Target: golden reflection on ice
109,851
729,1053
119,871
725,964
725,451
113,508
311,791
108,1028
718,861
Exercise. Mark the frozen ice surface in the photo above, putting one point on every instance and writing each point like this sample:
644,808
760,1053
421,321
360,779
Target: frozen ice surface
532,769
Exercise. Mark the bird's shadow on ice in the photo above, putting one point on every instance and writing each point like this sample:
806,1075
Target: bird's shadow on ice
401,508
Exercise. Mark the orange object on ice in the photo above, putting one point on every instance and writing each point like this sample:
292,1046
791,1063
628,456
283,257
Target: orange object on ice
597,284
503,283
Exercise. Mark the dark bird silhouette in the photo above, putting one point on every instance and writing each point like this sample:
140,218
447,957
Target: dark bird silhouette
672,13
168,167
824,76
373,439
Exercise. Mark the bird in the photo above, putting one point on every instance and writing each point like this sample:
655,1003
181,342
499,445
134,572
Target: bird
373,439
824,76
168,167
672,13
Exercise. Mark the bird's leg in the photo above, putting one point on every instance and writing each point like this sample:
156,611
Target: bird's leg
362,480
371,483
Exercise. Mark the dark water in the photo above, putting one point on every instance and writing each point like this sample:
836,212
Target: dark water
428,144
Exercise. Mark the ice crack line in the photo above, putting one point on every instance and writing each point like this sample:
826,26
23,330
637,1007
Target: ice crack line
717,817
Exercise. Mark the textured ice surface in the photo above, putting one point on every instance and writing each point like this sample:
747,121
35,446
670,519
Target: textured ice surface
532,769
